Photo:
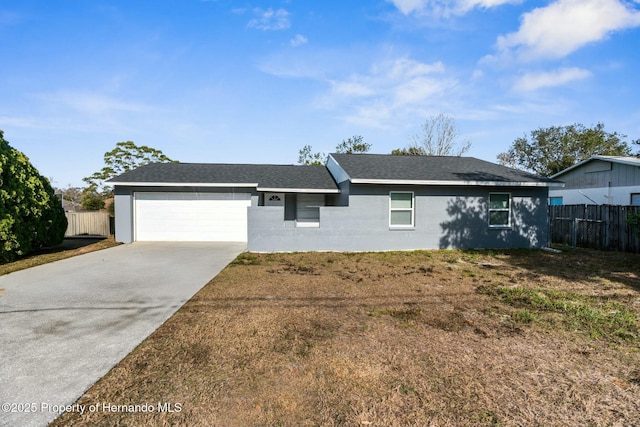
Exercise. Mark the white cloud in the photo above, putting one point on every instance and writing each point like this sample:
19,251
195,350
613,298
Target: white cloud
410,6
92,103
533,81
564,26
467,5
298,40
270,19
352,89
19,122
446,7
392,89
406,68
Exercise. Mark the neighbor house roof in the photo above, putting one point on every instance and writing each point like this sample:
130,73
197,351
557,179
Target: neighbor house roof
293,178
624,160
433,170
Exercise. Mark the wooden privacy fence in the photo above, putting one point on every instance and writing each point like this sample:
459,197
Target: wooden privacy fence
594,226
87,223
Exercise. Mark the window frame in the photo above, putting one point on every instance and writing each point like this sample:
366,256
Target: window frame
507,209
411,209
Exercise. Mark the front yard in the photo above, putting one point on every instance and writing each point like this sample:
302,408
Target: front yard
398,338
67,249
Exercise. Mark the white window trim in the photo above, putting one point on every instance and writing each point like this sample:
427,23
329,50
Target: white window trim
412,209
508,210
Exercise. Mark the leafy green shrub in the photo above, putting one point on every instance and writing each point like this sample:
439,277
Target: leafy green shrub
633,221
31,216
92,202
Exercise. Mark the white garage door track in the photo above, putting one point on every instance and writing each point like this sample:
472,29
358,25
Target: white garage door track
66,324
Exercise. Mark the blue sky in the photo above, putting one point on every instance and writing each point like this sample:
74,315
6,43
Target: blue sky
253,81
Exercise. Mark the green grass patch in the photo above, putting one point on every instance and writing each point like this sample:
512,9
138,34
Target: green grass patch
524,316
246,258
600,318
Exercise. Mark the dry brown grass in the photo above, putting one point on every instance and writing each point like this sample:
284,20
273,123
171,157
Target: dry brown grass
417,338
69,248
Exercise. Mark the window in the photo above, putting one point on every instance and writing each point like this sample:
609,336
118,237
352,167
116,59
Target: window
635,199
400,209
499,210
555,201
308,209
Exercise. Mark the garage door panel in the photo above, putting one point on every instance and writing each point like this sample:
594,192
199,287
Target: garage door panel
191,216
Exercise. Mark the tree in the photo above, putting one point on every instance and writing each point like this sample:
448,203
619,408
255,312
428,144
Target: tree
31,216
550,150
636,142
307,157
91,200
72,196
125,157
353,145
440,137
409,151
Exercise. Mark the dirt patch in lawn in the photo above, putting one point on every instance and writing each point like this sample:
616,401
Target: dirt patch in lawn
413,338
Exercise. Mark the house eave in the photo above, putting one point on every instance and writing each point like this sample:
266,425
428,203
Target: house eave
299,190
185,184
458,183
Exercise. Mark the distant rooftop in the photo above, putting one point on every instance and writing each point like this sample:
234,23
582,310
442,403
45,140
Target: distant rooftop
624,160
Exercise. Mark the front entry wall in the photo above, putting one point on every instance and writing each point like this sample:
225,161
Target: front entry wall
445,217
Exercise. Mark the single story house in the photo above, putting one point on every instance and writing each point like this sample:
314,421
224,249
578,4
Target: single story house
356,202
599,180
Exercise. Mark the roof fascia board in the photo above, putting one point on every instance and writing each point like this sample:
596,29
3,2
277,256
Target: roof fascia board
298,190
457,183
577,165
339,174
184,184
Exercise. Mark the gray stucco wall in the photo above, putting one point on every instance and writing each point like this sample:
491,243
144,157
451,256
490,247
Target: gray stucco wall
445,217
124,204
123,211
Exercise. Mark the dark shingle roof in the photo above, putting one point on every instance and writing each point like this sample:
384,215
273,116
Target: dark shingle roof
433,169
292,177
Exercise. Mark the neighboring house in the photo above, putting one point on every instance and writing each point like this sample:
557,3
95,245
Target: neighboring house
599,180
357,202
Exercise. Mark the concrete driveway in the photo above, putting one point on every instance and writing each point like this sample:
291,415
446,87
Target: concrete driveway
64,325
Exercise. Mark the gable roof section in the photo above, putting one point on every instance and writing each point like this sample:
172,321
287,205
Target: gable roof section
624,160
276,178
434,170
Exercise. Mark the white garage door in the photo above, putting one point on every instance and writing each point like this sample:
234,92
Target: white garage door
191,216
